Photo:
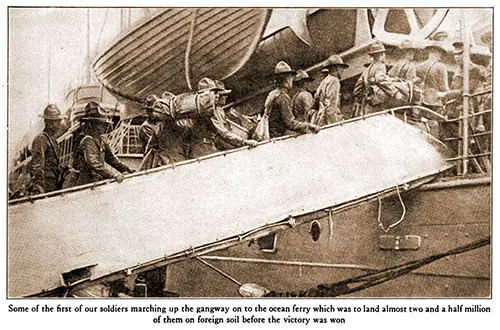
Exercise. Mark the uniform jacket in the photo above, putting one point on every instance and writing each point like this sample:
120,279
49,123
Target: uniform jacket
45,168
405,70
223,129
434,75
168,142
328,96
92,157
476,83
145,132
302,102
278,107
375,84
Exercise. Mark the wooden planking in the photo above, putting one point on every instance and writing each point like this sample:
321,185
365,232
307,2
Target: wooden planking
151,58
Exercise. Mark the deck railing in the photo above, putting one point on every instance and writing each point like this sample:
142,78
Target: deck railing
124,139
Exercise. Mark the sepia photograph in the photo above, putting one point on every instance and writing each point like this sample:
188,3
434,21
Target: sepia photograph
249,152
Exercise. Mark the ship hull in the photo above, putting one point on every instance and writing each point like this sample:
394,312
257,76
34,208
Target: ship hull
205,203
444,215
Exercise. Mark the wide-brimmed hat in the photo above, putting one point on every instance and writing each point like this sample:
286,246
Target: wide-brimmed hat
302,76
458,44
51,112
149,102
335,60
436,45
439,36
458,47
206,84
406,45
480,58
486,37
221,89
376,48
283,68
94,113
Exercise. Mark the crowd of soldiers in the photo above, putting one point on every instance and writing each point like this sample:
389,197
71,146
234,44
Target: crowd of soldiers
92,156
168,137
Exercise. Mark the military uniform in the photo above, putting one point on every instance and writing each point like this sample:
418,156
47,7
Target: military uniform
375,86
476,82
212,134
93,155
223,130
404,69
303,102
45,168
328,96
454,110
487,99
145,132
91,159
280,113
167,144
202,138
433,76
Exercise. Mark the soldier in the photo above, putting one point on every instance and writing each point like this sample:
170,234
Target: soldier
45,169
486,39
374,87
303,100
202,136
484,121
476,78
433,76
226,138
405,68
278,105
146,129
93,153
207,131
485,124
324,72
454,108
167,144
328,93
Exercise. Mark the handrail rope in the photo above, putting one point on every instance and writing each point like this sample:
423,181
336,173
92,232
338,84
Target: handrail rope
223,153
380,224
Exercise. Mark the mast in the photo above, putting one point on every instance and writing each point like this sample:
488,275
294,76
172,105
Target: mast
465,114
48,72
87,65
124,19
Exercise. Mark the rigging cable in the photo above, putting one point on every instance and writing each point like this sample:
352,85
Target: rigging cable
368,280
102,29
380,224
218,270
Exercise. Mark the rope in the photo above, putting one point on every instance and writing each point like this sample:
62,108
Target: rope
330,224
188,48
102,29
380,224
218,270
373,279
